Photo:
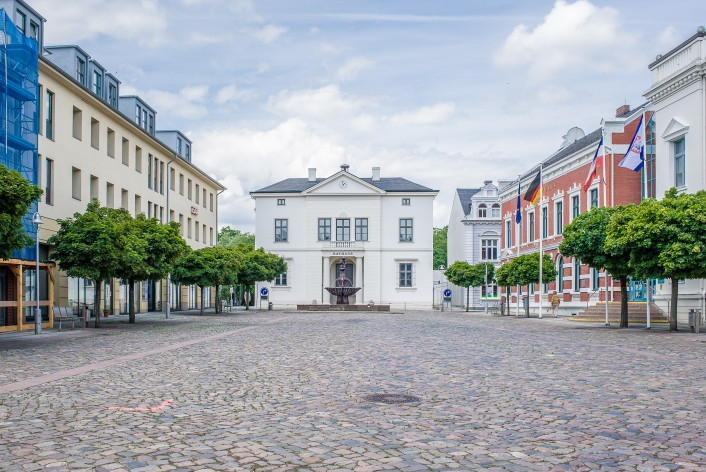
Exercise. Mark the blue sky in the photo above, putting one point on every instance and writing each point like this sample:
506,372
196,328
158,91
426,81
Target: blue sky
446,93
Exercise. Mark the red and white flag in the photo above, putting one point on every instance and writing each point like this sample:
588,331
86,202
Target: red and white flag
597,162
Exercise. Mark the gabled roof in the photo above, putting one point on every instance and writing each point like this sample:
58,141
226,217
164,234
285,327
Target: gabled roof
465,195
388,184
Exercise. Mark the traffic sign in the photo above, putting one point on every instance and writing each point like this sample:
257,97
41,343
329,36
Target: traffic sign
264,291
447,293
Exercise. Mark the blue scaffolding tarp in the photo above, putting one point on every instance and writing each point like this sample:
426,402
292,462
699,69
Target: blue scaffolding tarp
19,89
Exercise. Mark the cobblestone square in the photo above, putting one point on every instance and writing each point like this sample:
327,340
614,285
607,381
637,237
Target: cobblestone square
282,391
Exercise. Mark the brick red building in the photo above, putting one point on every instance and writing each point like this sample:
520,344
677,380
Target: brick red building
564,174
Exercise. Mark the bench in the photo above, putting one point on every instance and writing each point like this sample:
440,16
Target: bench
65,313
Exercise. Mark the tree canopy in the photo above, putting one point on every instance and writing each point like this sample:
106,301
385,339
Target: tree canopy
585,238
465,275
95,245
234,237
16,196
258,266
526,269
440,247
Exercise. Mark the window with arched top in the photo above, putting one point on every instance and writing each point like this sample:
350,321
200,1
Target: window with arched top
482,211
495,210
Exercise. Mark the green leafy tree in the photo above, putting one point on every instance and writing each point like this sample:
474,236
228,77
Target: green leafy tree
95,245
461,273
667,239
16,196
440,247
526,268
505,277
585,238
157,248
258,266
234,237
208,267
484,273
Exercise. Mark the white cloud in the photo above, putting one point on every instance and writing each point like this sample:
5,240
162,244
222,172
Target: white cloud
574,38
269,33
350,69
72,21
427,115
186,103
231,93
325,102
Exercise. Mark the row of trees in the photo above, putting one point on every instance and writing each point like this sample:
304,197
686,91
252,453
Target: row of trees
463,274
104,243
524,271
657,239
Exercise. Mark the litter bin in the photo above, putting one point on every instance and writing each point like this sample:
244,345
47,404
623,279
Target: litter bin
269,306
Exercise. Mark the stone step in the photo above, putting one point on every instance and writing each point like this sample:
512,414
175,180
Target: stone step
637,313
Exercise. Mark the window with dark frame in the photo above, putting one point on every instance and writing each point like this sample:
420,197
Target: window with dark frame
280,230
577,274
531,227
545,222
343,229
679,166
489,249
406,230
48,180
406,201
280,201
324,229
559,218
495,211
81,71
49,115
361,229
594,198
575,209
405,274
149,170
482,211
281,280
560,275
508,234
22,20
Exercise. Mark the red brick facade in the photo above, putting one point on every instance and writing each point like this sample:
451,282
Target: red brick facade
562,183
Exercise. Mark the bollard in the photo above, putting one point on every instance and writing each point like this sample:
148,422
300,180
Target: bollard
697,321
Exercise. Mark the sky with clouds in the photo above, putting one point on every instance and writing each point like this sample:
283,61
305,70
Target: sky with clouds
447,94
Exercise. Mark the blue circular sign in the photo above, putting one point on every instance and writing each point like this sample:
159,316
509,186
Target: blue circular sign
447,293
264,291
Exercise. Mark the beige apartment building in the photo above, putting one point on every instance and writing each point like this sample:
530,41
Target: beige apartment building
88,149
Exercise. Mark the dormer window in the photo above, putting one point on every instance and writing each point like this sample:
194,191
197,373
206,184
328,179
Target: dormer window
97,83
482,211
188,153
81,71
495,211
34,31
138,114
21,22
179,147
151,125
113,95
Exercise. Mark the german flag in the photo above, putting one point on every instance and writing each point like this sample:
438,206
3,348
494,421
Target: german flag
535,190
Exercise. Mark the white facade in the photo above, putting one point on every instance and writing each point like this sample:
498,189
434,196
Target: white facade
474,237
678,97
381,226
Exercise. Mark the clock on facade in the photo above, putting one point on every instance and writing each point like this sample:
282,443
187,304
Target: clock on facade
342,184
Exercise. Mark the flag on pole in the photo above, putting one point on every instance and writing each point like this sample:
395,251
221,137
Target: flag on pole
634,159
597,162
518,214
535,190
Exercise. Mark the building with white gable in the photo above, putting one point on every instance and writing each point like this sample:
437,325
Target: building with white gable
381,226
474,237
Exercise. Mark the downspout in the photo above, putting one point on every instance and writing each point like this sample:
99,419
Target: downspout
167,312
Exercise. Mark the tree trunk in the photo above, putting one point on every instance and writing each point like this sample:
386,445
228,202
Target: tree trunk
218,298
246,296
623,301
202,289
131,300
468,289
97,302
673,305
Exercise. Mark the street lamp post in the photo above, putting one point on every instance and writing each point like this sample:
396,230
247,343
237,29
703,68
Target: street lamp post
37,221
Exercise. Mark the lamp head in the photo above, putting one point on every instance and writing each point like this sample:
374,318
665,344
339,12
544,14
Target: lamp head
36,219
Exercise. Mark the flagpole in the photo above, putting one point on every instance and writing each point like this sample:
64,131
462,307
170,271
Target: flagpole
644,171
605,272
541,188
517,241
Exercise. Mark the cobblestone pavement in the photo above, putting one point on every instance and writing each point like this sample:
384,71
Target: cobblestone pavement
284,392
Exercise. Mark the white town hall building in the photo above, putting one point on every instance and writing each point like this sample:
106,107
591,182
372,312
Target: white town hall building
381,226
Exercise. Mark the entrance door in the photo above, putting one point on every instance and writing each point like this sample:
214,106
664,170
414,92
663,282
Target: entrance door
151,298
349,274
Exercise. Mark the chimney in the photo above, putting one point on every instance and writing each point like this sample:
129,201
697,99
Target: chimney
488,182
622,110
312,174
376,174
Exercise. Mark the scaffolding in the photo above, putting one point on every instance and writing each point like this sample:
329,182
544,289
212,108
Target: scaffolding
19,90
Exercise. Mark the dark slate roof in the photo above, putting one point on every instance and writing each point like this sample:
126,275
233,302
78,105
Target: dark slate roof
388,184
465,194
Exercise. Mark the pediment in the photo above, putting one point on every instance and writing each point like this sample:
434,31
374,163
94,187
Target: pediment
674,129
343,183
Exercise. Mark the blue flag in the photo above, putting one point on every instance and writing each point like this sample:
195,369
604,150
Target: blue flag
518,214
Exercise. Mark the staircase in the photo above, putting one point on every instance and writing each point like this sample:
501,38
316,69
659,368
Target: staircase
637,313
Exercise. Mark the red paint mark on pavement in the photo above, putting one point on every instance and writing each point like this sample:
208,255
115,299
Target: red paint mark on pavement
153,408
